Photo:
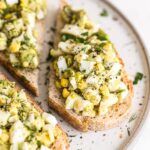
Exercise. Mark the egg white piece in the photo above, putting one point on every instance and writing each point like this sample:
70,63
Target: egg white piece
4,117
49,118
11,2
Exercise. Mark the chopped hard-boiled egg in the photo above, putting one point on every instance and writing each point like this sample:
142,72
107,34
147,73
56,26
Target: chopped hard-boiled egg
74,30
92,95
62,64
44,148
73,83
50,129
28,146
71,100
18,133
23,127
87,66
110,100
73,48
122,91
49,118
29,18
3,41
13,59
80,57
11,2
93,80
113,84
115,68
4,117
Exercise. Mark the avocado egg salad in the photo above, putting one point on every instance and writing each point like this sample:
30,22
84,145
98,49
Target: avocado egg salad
88,71
17,31
22,127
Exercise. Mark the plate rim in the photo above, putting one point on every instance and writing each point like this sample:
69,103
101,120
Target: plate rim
139,128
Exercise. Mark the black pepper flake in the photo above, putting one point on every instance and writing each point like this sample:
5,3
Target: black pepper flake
81,137
72,135
128,131
53,29
115,18
50,43
39,102
70,140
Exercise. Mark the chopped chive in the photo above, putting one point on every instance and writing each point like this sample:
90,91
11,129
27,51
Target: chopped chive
85,34
138,76
104,13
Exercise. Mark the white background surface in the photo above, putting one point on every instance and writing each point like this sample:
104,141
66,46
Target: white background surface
138,12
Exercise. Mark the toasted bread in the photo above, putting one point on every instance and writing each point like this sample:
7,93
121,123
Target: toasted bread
117,113
61,143
28,77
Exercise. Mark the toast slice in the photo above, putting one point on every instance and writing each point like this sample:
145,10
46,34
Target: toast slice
28,77
116,114
61,141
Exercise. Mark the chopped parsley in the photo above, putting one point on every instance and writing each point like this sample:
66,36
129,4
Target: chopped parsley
102,35
66,37
104,13
85,34
138,76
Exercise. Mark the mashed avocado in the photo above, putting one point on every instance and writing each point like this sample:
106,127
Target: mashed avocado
17,31
88,72
21,125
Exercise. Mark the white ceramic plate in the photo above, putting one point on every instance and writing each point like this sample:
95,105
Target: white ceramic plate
131,50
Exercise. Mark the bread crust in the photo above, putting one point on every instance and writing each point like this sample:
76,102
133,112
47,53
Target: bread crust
116,115
61,143
21,75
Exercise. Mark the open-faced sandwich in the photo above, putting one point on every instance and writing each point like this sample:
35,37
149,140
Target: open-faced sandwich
88,83
24,125
19,48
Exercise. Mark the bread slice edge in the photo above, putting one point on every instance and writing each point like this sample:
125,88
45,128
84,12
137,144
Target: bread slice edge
61,143
115,116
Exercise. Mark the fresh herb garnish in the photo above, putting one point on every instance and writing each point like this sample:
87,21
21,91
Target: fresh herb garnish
120,91
104,13
66,37
83,49
132,118
102,35
85,34
138,76
98,47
